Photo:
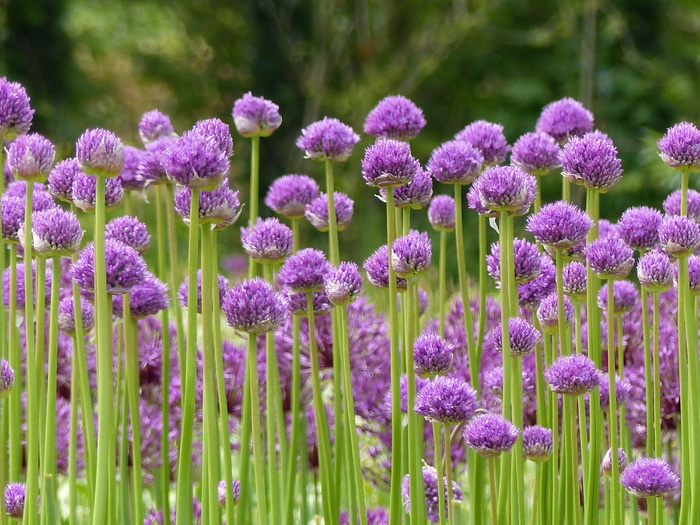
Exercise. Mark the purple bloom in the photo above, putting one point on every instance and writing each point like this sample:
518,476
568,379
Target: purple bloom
446,400
537,443
183,292
269,241
289,195
388,163
505,188
56,232
548,313
560,225
441,213
537,153
672,204
125,267
100,153
432,355
523,337
607,464
528,263
694,274
650,478
151,168
216,130
680,147
154,125
455,162
679,236
146,298
343,284
85,192
66,315
610,258
328,139
304,271
416,194
19,298
591,160
565,118
219,207
30,157
14,499
655,272
235,488
639,227
432,498
7,378
411,254
130,177
378,516
298,303
572,375
491,435
395,117
317,211
196,162
15,112
488,138
575,279
625,296
130,231
61,179
532,293
255,116
254,307
12,209
623,391
377,268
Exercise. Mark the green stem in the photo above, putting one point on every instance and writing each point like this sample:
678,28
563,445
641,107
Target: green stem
295,235
574,496
73,441
448,472
437,460
256,426
564,341
334,253
243,511
15,360
656,382
296,423
492,485
174,276
648,374
683,374
254,179
442,277
565,189
483,288
612,412
40,340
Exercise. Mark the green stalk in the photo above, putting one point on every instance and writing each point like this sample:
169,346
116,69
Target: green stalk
73,443
657,451
612,412
295,235
555,482
564,341
565,189
442,273
254,179
538,515
40,340
296,423
492,485
332,218
437,461
123,503
448,472
685,430
15,360
174,276
574,497
243,510
258,454
483,288
648,373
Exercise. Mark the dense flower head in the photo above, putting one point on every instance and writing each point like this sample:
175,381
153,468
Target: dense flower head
523,336
610,257
606,466
12,209
66,315
572,374
377,516
441,213
504,188
343,283
304,271
129,230
565,118
235,488
317,211
446,400
15,112
672,204
56,232
416,194
85,192
575,278
154,125
488,138
14,499
395,117
377,268
490,435
528,263
61,177
455,162
148,297
655,272
625,296
537,443
151,168
560,225
19,297
125,267
623,390
433,355
532,293
254,307
195,161
255,116
388,163
592,161
298,304
219,207
268,240
289,195
216,130
7,378
328,139
639,227
694,274
183,291
130,177
100,153
432,498
680,147
548,313
30,157
536,152
650,478
411,254
679,236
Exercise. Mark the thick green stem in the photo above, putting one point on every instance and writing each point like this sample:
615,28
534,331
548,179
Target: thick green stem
258,453
442,277
448,473
174,276
612,411
492,485
73,444
656,381
15,360
483,288
254,180
564,341
437,461
648,374
334,253
295,449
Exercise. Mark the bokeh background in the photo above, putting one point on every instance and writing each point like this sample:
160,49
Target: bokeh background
634,63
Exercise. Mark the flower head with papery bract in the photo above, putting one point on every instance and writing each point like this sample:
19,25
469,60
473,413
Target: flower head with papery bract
148,297
650,478
610,258
505,188
488,138
523,337
679,236
125,267
289,195
14,499
606,466
154,125
7,378
672,204
254,307
377,268
216,130
432,498
219,207
592,161
411,254
528,263
639,227
446,400
441,213
30,157
56,232
565,118
395,117
61,177
560,225
343,284
130,231
85,192
575,278
455,162
15,112
388,163
183,291
66,315
100,153
268,241
537,443
317,211
416,194
537,153
304,271
490,435
433,355
196,162
548,313
328,139
655,272
680,147
572,375
625,296
255,116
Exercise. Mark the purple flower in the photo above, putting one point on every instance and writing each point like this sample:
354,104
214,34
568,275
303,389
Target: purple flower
606,465
528,263
378,516
7,378
317,211
655,272
505,188
298,303
14,499
289,195
610,258
15,112
377,268
219,207
537,443
342,284
61,179
268,241
625,296
254,307
650,478
151,168
388,163
491,435
328,139
432,498
455,162
672,204
85,191
100,153
623,391
523,337
565,118
532,293
411,254
216,130
432,355
130,177
537,153
679,236
575,278
572,375
591,160
446,400
680,147
19,298
441,213
148,297
639,227
56,232
560,225
130,231
196,162
694,274
548,313
12,209
235,488
125,267
154,125
66,315
488,138
416,194
395,117
30,157
183,292
304,271
255,116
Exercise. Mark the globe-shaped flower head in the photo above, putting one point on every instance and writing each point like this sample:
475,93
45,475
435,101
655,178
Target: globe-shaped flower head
560,225
672,204
639,227
343,284
235,488
548,313
606,466
592,161
216,130
14,499
455,162
655,272
488,138
395,117
255,116
219,207
85,192
154,125
317,211
7,378
504,188
565,118
130,231
12,209
125,267
56,232
537,153
61,179
196,162
680,147
433,355
130,177
328,139
575,279
609,257
147,298
254,307
490,435
572,375
289,195
377,268
679,236
66,315
526,257
30,157
15,112
625,296
441,213
623,390
446,400
432,498
650,478
537,443
523,337
151,168
411,254
388,163
268,241
183,292
531,293
100,153
416,194
304,271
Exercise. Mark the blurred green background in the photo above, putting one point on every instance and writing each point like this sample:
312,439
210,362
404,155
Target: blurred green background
635,63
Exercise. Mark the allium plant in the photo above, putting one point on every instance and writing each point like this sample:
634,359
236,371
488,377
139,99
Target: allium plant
395,117
154,125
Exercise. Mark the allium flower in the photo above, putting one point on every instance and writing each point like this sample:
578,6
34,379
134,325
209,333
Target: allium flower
432,355
343,283
183,292
395,117
537,443
432,498
378,516
560,225
12,209
694,274
85,191
289,195
130,177
572,375
416,194
639,227
488,138
14,499
268,241
532,293
30,157
216,130
650,478
125,267
377,268
66,315
388,163
154,125
528,263
591,160
130,231
679,236
19,298
100,153
235,488
537,153
446,400
672,204
441,213
575,278
298,304
196,162
254,307
625,296
490,435
146,298
317,211
328,139
565,118
655,272
623,391
15,112
411,254
607,464
610,258
7,378
56,232
151,168
219,207
680,147
455,162
304,271
61,179
505,188
548,313
523,337
255,116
